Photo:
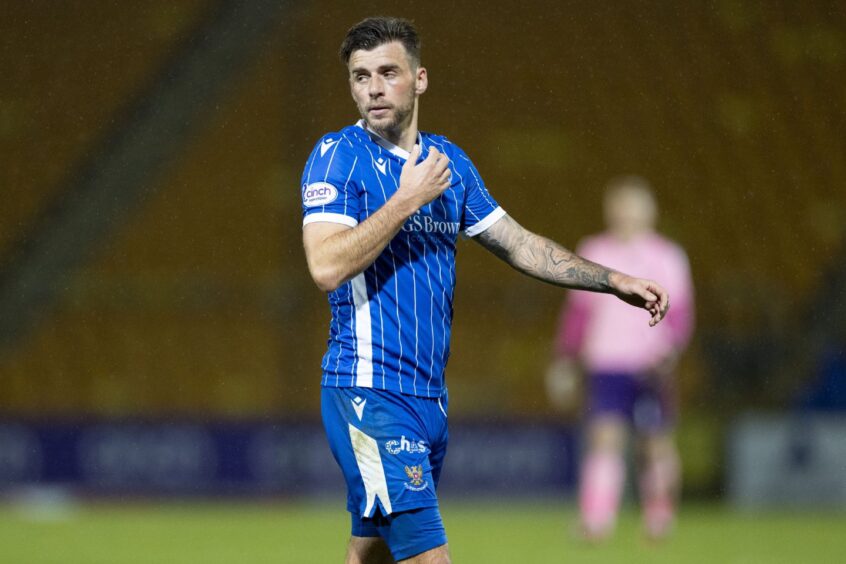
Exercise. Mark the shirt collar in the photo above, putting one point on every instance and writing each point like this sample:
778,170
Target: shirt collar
387,145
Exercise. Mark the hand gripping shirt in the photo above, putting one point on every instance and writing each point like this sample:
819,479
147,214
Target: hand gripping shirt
390,326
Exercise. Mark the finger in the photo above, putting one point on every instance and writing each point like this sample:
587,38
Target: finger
445,179
441,165
665,302
649,297
656,315
659,309
660,293
413,156
433,154
661,296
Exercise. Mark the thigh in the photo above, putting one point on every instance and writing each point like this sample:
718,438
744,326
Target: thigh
438,555
383,446
655,408
402,536
415,535
439,436
368,550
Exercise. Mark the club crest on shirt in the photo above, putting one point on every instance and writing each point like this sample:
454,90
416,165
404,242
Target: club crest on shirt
319,194
415,482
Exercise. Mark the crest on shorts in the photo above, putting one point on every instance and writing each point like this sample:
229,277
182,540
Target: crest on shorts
416,482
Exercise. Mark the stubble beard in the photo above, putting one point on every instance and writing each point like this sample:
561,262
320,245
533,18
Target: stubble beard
394,127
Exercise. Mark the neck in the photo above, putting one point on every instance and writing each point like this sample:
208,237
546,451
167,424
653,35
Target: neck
624,234
404,135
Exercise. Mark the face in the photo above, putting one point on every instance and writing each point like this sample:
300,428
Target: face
385,87
629,211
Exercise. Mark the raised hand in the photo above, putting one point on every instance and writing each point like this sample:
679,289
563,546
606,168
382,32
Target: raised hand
424,182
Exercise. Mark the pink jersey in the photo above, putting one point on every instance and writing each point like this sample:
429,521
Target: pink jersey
608,335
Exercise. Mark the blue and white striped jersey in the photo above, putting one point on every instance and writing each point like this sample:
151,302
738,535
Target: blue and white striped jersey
390,325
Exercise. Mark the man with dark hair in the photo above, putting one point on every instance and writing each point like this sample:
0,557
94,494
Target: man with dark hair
383,205
373,32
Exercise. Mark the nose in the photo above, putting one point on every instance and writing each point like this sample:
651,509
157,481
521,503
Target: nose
376,86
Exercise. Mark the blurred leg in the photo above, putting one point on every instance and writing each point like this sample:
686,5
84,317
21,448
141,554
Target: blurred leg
368,550
602,476
660,478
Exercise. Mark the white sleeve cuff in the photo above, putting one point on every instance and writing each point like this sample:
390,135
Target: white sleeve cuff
330,218
485,222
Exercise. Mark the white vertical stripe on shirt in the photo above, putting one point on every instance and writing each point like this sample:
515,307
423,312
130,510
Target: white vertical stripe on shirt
394,274
365,213
431,326
416,319
363,338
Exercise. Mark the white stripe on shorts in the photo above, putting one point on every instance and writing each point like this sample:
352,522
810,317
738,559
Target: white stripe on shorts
369,462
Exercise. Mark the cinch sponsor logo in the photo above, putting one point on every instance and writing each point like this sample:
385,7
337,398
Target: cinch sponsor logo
405,445
419,223
319,194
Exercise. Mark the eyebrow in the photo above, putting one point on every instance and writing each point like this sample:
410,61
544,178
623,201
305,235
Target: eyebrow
381,68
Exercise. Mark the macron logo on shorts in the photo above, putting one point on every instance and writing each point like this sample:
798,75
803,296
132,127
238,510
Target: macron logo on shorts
358,406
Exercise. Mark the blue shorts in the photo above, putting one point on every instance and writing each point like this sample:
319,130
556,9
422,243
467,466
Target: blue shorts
391,449
647,405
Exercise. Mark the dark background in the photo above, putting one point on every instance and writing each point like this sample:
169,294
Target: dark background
181,292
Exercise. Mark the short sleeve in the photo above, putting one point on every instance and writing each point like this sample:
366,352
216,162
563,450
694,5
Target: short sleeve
329,191
480,209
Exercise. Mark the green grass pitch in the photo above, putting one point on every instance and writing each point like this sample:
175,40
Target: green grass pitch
480,533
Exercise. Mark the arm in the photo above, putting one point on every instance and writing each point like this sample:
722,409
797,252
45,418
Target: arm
683,317
563,376
336,253
572,325
549,262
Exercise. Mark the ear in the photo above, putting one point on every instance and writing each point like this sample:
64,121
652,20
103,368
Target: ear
421,82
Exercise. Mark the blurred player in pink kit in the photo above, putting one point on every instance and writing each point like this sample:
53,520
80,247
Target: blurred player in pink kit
628,366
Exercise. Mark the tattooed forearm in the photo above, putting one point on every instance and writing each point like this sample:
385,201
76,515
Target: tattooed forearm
543,259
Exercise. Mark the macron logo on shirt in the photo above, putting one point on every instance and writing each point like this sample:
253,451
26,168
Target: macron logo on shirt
380,164
326,145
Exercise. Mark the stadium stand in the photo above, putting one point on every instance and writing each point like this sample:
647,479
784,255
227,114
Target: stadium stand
200,305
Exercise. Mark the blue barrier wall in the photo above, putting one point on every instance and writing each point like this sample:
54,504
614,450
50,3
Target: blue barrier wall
261,458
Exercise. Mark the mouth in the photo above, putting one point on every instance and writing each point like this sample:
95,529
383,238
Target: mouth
378,111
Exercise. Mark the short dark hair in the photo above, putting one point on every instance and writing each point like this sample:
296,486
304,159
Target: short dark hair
373,32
